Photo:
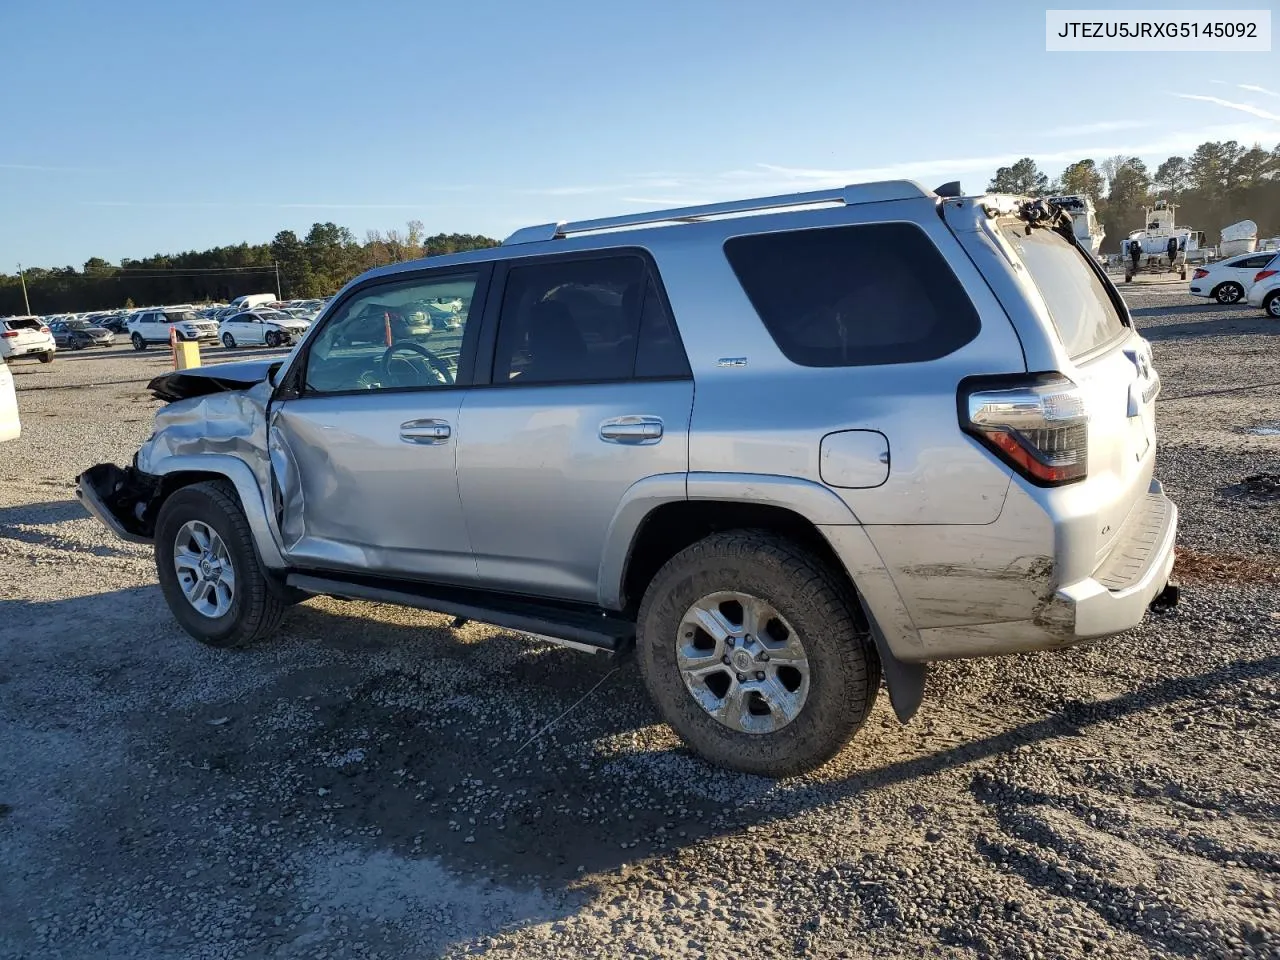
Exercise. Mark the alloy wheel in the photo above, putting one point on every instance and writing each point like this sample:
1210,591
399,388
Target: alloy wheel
205,571
742,662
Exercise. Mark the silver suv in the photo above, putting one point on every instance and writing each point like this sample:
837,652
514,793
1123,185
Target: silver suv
785,446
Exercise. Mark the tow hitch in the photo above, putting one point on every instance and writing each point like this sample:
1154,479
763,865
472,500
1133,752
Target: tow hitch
1167,598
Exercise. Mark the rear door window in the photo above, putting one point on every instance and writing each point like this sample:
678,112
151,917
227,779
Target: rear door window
571,321
854,296
1079,305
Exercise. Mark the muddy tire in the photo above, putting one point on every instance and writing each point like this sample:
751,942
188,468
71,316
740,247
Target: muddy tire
763,714
201,535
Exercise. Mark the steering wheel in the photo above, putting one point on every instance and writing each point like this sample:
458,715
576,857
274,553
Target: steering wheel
438,366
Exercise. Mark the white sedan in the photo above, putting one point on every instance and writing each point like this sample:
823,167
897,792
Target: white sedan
252,327
1228,281
1265,292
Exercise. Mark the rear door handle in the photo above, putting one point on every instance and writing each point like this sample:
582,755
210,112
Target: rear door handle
632,430
424,431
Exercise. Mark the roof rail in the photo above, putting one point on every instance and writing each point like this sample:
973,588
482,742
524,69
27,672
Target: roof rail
854,193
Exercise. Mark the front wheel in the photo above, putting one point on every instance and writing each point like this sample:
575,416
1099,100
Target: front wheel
1272,305
272,339
756,654
138,342
228,341
209,570
1128,278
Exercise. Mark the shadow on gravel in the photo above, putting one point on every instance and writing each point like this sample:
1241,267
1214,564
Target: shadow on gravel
47,513
409,747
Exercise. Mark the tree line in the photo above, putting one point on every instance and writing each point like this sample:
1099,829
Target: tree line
1219,184
315,265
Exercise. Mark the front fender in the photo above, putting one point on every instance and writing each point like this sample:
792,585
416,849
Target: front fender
246,484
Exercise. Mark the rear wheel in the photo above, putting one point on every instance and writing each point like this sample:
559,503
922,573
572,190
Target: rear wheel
209,570
228,341
756,654
1128,278
1272,305
46,357
138,342
1229,292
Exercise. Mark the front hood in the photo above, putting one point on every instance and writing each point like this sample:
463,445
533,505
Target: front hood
215,378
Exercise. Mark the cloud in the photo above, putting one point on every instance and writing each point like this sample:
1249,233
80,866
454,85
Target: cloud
1102,126
1232,105
46,169
1253,88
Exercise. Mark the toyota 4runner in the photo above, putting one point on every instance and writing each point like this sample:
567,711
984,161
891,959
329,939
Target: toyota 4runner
783,446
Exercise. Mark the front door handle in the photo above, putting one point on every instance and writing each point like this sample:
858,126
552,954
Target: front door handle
632,430
424,431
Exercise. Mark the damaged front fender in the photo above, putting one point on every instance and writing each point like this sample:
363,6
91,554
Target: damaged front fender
214,430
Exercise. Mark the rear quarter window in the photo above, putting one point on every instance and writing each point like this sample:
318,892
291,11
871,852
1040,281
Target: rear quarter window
1079,304
854,296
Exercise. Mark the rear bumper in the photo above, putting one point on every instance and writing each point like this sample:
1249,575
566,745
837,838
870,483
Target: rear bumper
28,350
1113,599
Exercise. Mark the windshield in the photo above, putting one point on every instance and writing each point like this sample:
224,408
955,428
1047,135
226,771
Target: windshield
1078,302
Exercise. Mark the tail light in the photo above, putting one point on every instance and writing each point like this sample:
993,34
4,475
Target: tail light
8,333
1200,273
1264,274
44,329
1037,424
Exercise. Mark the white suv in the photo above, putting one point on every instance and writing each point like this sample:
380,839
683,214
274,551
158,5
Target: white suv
26,337
10,425
153,326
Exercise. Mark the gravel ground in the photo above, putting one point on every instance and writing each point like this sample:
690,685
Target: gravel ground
375,784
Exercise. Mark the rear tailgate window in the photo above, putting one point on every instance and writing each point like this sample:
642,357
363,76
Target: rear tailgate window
1079,305
23,325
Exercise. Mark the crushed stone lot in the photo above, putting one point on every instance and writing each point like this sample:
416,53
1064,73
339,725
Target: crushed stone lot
373,783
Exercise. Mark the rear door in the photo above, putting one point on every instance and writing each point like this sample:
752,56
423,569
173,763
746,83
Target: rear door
10,427
589,392
1248,268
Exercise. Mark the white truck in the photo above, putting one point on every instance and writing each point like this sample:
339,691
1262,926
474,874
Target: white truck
251,300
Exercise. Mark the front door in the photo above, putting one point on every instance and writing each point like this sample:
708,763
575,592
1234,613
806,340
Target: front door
590,392
363,445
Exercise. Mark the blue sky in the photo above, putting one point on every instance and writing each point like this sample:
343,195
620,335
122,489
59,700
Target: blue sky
139,127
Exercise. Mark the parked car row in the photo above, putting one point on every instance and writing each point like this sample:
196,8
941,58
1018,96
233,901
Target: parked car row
1253,278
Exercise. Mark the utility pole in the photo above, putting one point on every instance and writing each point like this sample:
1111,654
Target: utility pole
276,264
25,302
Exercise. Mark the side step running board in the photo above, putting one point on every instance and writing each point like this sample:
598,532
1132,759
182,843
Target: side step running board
579,627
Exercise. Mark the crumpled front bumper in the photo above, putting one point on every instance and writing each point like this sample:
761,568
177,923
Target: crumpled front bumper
118,498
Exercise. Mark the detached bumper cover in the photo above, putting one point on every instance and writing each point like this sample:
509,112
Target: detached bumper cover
118,498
